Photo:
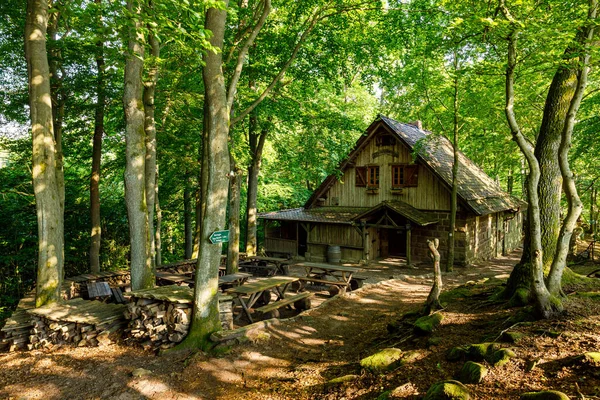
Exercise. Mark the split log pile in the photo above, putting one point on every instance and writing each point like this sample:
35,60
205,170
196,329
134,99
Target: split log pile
161,317
77,322
15,333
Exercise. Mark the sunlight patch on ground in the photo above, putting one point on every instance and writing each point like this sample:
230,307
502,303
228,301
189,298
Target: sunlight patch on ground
47,391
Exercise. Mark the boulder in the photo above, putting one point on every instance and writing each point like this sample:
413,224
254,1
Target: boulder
545,395
456,353
140,372
426,325
501,357
472,372
481,351
343,379
592,358
447,390
512,337
382,361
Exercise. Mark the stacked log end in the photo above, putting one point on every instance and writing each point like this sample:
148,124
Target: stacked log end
161,317
79,323
15,332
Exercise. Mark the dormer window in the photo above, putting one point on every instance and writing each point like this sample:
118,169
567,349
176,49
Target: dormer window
385,140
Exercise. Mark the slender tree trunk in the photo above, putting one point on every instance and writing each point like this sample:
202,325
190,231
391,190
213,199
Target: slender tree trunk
205,318
433,300
135,184
198,197
257,143
96,233
157,236
233,249
188,218
454,195
150,129
44,158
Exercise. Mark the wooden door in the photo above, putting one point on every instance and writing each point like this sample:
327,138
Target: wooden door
384,243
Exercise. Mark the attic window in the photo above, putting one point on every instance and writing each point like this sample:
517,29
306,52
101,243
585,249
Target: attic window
385,140
404,175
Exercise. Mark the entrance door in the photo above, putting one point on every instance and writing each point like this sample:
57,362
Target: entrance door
302,239
397,242
384,250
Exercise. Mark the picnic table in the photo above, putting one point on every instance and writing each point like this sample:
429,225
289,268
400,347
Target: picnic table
337,275
225,281
257,290
258,263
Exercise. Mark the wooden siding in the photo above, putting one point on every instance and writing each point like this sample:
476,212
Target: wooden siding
283,246
430,194
345,236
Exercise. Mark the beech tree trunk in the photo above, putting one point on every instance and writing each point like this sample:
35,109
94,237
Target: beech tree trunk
454,194
545,304
233,250
96,231
157,235
188,225
150,129
205,318
46,174
546,151
257,143
575,206
135,171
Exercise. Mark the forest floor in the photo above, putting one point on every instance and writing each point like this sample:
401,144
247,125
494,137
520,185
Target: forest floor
296,358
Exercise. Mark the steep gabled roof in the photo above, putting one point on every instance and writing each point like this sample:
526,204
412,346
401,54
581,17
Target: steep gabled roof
475,188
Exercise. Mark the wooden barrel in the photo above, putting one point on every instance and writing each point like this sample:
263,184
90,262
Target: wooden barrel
334,254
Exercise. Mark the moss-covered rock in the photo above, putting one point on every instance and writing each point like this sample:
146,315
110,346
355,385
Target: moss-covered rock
512,337
456,353
592,358
425,325
383,360
343,379
447,390
385,395
547,332
545,395
434,341
472,372
481,351
501,357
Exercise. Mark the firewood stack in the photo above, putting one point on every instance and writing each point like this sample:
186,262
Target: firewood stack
15,332
77,322
161,317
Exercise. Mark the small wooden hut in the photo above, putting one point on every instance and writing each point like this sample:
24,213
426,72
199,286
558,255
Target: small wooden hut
384,202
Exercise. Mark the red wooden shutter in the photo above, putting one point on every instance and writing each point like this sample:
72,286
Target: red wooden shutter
411,175
361,176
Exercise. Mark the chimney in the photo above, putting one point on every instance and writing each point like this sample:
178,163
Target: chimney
417,123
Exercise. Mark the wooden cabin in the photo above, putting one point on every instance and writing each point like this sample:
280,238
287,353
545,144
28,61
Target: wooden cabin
384,202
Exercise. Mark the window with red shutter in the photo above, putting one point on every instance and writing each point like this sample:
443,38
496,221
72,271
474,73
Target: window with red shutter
361,177
404,175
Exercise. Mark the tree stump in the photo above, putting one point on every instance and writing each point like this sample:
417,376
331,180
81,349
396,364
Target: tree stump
433,300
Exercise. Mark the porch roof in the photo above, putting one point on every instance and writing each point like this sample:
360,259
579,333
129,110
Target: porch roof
331,215
406,210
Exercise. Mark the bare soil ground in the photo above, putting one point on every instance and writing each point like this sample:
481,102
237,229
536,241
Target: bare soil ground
296,359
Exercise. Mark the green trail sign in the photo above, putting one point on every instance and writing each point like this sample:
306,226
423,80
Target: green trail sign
219,237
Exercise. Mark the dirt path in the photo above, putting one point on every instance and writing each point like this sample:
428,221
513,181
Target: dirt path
291,360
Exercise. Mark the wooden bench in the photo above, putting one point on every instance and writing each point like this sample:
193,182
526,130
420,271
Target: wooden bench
118,295
98,290
272,310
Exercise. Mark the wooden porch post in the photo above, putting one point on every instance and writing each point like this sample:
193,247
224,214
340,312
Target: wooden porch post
408,255
365,242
